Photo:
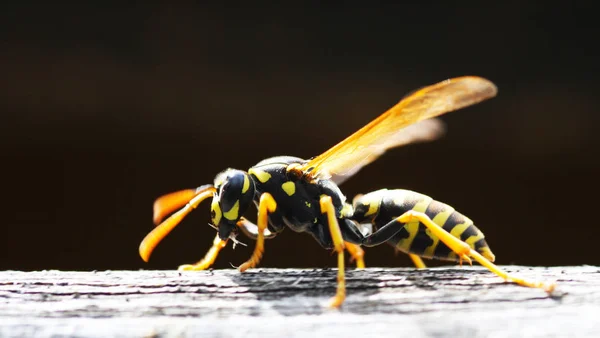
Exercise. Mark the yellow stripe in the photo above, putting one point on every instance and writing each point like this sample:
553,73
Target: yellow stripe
439,219
232,214
458,229
246,184
413,227
261,175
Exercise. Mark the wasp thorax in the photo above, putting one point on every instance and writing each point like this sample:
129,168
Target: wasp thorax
235,191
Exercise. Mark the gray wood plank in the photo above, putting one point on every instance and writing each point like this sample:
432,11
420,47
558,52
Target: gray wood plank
398,302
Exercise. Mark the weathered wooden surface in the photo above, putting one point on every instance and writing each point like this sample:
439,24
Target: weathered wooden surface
439,302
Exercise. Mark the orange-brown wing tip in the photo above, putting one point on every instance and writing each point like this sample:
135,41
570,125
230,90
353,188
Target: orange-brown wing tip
168,203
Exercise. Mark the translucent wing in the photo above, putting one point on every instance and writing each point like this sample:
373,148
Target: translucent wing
406,122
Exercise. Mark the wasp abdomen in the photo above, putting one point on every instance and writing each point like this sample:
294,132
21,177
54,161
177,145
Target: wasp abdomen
414,237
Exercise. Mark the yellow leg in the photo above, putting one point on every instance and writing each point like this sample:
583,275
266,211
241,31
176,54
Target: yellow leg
417,261
266,205
463,250
208,259
338,243
357,254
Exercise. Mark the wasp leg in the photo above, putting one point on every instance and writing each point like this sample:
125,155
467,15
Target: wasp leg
417,261
357,254
208,259
463,250
155,236
338,243
266,205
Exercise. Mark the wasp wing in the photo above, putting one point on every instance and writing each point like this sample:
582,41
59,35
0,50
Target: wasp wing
422,131
406,122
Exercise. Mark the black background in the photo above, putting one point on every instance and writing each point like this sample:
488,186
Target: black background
106,107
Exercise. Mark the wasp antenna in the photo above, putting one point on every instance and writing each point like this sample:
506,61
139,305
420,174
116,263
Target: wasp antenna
168,203
155,236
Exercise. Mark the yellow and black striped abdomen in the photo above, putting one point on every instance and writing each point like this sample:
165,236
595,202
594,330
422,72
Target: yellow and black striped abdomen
415,238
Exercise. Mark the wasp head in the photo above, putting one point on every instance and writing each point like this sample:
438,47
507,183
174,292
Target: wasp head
235,192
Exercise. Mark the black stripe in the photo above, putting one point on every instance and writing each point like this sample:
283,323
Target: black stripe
480,244
421,241
442,251
453,220
434,208
471,230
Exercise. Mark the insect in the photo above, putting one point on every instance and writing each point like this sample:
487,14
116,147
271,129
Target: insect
304,196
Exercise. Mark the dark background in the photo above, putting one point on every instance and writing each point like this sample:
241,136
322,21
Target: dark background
104,108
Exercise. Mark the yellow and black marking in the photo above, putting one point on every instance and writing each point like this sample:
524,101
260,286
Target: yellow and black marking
384,206
303,195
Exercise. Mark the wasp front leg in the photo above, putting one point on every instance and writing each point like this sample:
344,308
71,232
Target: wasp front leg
248,228
266,205
208,259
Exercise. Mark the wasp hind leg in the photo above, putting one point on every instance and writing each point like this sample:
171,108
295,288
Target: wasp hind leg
266,205
357,254
338,243
417,261
464,251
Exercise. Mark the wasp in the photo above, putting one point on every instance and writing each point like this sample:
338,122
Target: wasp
304,195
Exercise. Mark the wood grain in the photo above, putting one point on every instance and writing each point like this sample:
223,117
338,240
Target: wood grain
399,302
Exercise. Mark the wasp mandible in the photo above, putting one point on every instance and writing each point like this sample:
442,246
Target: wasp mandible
304,196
